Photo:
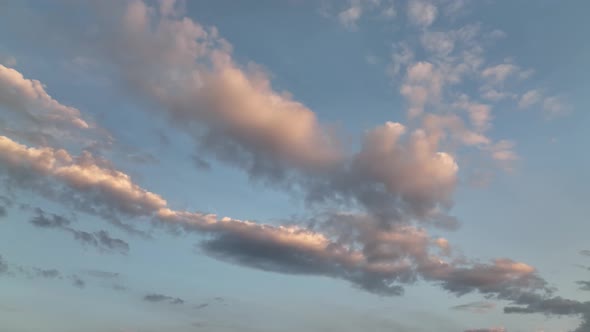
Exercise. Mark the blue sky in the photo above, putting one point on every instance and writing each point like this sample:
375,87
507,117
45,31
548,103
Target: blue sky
379,165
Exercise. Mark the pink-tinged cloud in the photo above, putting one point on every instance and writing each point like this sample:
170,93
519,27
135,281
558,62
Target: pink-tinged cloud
29,97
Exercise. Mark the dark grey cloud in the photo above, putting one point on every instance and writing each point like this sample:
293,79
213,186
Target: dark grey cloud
530,303
106,241
479,307
491,329
45,220
585,252
100,239
201,306
154,297
362,251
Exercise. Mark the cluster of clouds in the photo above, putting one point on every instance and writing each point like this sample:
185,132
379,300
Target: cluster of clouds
112,279
101,239
431,62
398,183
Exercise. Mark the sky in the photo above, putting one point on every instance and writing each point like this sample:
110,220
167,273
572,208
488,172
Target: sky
350,165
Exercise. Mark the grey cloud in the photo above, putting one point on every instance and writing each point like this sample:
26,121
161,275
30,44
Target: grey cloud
100,240
153,297
479,307
584,285
5,203
529,303
492,329
585,252
383,259
49,220
201,306
49,274
102,274
201,163
143,158
77,281
118,287
3,266
106,241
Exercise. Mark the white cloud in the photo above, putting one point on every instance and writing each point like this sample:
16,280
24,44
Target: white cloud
422,13
530,98
350,16
439,43
499,73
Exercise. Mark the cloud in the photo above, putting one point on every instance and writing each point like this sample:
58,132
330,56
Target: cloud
530,98
480,307
100,239
396,182
5,203
48,274
77,281
33,272
499,73
529,303
232,112
29,97
95,183
102,274
3,266
492,329
584,285
585,252
350,16
49,221
378,252
153,297
554,106
422,13
422,87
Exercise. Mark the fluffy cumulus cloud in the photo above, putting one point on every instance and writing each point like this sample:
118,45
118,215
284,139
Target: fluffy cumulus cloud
233,112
